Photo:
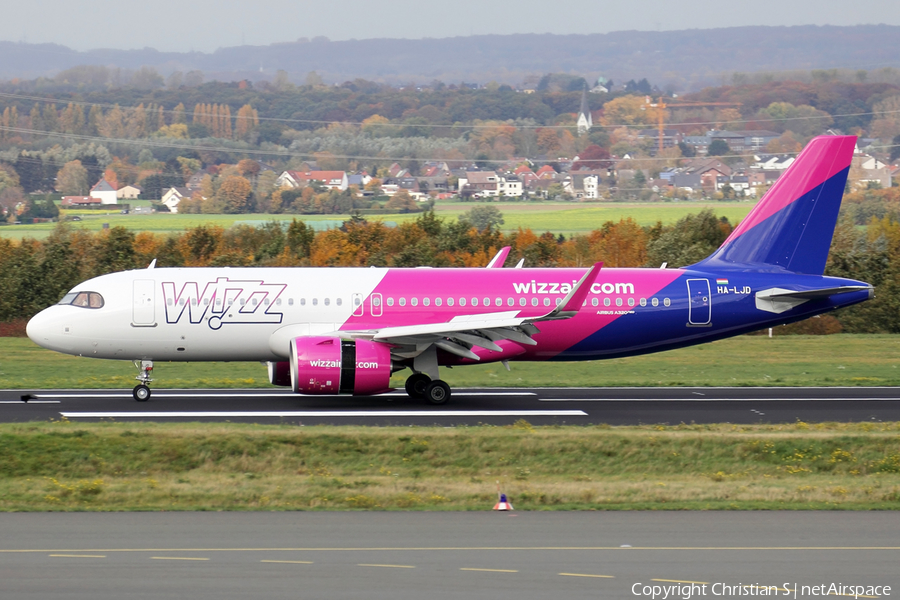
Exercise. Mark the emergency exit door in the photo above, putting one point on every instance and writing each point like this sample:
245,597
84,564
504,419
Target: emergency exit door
699,306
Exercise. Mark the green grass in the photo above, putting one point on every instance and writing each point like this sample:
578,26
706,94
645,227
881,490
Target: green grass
558,217
146,466
845,360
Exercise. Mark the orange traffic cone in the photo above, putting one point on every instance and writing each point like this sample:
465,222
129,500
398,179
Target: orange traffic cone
503,504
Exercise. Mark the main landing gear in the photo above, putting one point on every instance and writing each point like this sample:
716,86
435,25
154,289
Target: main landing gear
141,391
421,386
425,383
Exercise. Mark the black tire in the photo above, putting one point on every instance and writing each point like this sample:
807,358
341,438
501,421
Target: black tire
141,393
416,385
437,392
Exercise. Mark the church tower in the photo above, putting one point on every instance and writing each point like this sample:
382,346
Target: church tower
584,122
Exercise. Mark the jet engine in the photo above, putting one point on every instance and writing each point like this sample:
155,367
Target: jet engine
280,373
330,365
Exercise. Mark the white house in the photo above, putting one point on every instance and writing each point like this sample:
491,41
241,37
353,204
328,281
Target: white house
487,184
105,192
335,180
174,196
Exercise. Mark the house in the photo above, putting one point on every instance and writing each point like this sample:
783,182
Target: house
105,192
79,201
772,162
174,196
334,180
866,170
585,185
487,184
128,192
547,172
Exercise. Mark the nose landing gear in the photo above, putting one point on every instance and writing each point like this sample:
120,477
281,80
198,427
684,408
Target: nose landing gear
141,391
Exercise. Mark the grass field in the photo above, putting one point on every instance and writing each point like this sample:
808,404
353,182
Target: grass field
788,360
120,467
558,217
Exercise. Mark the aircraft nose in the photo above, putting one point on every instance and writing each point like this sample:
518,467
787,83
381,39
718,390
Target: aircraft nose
38,327
47,330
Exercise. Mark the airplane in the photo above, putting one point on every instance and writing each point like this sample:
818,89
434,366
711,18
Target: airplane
347,330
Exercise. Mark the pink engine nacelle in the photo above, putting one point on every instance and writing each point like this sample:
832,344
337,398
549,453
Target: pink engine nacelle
330,365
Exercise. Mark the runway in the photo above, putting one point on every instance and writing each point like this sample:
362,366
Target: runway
440,555
541,406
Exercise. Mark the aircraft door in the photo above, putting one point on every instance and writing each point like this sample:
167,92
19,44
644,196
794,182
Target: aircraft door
358,307
144,298
376,302
699,306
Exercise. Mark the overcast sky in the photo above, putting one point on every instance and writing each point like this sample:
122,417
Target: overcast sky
202,25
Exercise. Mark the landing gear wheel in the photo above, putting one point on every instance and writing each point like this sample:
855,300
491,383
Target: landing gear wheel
141,393
416,384
437,392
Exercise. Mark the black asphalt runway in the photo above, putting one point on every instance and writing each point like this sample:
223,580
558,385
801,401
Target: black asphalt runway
415,556
543,406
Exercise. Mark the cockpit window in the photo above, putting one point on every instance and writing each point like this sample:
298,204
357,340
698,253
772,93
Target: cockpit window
83,299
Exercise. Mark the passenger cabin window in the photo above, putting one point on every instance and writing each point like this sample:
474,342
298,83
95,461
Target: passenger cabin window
83,299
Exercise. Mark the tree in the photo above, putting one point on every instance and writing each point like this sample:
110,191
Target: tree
234,194
895,148
886,121
154,186
718,147
593,157
691,239
146,78
402,202
687,150
483,218
804,120
72,179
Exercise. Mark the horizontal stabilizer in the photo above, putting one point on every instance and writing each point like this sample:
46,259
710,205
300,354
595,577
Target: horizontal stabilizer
778,300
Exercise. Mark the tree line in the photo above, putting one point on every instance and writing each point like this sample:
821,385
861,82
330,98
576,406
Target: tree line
37,273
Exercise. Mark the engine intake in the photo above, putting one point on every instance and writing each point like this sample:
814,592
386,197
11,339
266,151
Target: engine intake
330,365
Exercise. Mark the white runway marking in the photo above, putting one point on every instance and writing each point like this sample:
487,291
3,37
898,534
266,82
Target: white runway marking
325,413
713,399
29,402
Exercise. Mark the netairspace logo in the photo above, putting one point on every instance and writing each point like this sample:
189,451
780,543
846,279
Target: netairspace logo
686,591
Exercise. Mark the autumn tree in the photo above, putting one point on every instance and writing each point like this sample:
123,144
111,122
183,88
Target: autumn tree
803,120
234,193
72,179
886,121
628,111
247,121
402,202
593,157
